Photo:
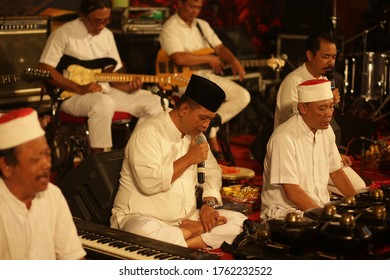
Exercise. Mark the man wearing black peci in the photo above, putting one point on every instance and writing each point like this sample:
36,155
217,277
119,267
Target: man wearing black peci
87,41
157,192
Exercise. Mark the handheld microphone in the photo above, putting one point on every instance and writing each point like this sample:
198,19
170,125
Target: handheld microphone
201,176
330,76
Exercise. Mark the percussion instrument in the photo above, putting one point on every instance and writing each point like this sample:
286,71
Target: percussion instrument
239,173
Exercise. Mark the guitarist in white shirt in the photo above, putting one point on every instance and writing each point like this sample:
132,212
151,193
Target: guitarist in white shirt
87,39
183,36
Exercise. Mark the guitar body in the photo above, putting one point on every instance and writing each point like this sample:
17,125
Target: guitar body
104,64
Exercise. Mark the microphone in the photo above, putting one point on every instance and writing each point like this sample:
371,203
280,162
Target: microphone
201,176
330,76
368,140
156,90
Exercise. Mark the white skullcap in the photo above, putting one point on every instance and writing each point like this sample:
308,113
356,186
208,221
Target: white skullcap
18,127
314,90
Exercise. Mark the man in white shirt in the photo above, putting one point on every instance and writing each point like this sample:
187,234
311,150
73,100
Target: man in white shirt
156,196
321,52
35,220
88,42
301,155
185,37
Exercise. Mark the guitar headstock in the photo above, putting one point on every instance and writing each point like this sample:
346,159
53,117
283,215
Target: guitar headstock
276,63
33,74
172,79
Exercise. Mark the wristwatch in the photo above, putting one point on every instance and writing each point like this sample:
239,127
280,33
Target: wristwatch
212,203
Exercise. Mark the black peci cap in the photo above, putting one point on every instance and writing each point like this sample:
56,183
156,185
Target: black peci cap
205,92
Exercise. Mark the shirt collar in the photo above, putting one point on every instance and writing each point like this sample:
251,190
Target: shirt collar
304,130
182,22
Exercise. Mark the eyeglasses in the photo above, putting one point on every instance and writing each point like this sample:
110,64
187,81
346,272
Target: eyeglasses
98,22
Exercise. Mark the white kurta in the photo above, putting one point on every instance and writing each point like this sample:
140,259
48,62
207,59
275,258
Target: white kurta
177,36
296,156
146,191
74,40
44,232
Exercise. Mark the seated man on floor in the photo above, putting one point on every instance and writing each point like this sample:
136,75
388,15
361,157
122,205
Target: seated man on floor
301,155
156,196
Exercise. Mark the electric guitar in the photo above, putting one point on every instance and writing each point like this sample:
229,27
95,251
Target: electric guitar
87,71
165,65
29,75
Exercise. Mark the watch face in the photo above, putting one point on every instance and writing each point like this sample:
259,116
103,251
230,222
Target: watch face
210,202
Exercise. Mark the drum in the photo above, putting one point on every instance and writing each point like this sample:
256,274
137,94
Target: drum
375,75
239,174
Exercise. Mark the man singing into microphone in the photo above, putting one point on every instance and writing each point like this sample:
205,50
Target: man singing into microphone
156,196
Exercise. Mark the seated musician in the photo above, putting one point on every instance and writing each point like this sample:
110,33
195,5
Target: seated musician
35,220
156,196
301,155
186,39
87,40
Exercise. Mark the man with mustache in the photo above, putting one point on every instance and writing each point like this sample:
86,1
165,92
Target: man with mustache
306,144
35,220
159,177
321,52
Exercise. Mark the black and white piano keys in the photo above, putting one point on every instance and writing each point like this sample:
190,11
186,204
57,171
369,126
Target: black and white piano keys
103,242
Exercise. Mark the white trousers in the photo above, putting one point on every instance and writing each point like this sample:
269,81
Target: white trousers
100,108
237,97
171,233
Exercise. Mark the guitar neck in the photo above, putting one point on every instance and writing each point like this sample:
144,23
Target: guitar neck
254,62
118,77
6,79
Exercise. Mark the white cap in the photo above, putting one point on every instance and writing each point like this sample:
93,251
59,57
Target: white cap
18,127
314,90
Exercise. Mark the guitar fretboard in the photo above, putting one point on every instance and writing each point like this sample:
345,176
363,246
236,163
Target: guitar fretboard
117,77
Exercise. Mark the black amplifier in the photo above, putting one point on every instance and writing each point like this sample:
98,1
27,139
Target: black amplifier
22,39
23,24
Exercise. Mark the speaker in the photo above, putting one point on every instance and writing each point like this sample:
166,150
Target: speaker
90,187
22,40
138,52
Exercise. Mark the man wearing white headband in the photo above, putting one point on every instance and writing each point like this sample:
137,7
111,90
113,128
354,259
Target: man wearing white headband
301,155
35,221
321,52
